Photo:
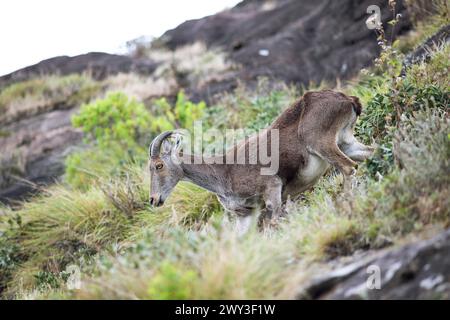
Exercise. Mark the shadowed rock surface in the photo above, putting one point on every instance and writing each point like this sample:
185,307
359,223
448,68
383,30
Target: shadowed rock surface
35,152
292,41
419,270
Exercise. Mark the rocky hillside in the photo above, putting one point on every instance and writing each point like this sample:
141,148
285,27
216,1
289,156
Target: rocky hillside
294,41
298,42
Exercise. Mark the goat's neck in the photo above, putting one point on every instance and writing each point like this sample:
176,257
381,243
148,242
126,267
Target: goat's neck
207,176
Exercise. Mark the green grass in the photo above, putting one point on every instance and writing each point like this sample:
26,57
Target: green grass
64,226
252,110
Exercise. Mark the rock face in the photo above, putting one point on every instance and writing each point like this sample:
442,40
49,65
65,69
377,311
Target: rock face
419,270
422,53
98,64
293,41
35,152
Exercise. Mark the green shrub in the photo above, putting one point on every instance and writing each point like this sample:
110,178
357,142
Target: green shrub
181,115
115,118
425,86
46,280
378,123
118,130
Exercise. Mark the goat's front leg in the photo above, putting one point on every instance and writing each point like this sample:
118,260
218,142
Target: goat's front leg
272,197
243,213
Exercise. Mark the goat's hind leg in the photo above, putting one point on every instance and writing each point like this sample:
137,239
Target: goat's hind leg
331,153
355,150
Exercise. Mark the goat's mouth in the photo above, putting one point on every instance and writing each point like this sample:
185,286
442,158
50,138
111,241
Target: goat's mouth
159,204
156,201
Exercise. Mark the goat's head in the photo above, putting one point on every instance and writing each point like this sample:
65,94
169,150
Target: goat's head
165,167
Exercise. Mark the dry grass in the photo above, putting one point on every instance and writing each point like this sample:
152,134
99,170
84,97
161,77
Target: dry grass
194,64
45,93
142,88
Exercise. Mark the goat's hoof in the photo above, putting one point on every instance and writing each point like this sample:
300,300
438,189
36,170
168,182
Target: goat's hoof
353,171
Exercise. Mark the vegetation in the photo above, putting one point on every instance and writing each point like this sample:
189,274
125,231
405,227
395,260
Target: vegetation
116,129
100,221
428,17
39,94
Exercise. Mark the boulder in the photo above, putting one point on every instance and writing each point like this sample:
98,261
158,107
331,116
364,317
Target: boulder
419,270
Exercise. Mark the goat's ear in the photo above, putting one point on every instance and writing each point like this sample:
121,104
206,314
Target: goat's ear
176,145
166,147
356,105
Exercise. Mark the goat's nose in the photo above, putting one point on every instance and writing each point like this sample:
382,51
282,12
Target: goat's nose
155,200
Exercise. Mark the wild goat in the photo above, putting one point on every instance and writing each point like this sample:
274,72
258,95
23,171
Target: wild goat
316,132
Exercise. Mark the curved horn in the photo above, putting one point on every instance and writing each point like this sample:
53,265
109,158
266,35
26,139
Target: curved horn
155,146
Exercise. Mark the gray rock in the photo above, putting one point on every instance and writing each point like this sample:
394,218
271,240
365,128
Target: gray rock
35,152
307,40
419,270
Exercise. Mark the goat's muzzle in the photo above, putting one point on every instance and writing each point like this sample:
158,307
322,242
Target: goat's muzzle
156,201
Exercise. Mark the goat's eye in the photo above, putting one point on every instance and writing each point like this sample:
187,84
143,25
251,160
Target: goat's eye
159,166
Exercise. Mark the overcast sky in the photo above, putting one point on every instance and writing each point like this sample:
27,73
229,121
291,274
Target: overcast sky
34,30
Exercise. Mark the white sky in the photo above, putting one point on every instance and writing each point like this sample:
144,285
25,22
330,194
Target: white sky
34,30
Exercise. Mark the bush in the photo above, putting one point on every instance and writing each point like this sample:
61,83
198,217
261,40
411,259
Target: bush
118,130
114,119
422,88
182,115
